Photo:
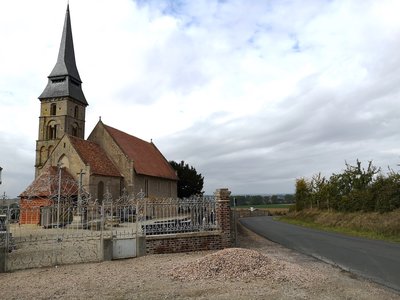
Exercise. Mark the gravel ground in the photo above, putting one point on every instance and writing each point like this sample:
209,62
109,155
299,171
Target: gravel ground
256,269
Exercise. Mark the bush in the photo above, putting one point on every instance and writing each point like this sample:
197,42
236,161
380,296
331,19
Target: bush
355,189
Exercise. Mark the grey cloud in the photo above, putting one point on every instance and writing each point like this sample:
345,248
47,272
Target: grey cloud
319,131
175,65
17,160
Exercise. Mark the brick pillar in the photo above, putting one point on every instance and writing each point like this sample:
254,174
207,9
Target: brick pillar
223,215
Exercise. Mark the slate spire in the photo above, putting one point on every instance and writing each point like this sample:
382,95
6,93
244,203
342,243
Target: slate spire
64,80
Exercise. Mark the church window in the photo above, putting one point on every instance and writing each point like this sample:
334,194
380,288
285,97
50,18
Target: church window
100,191
53,109
63,161
58,79
52,132
146,187
76,111
74,130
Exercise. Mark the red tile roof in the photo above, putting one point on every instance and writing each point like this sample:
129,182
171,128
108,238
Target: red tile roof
94,156
46,184
147,159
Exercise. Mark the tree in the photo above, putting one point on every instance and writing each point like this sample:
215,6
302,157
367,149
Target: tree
355,189
190,182
302,193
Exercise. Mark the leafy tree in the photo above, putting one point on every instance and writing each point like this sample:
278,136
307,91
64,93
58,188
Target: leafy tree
302,193
386,192
190,182
355,184
355,189
318,191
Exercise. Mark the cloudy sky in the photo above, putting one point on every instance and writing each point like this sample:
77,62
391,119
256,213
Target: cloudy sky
253,94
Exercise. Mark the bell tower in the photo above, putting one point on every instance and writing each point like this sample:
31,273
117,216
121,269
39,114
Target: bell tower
62,103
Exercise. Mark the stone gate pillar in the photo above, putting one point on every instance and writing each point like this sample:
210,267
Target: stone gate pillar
223,214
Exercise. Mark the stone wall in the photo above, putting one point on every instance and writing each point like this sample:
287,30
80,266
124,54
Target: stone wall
156,186
100,136
110,184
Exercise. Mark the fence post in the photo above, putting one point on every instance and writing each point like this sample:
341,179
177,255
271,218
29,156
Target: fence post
223,215
4,241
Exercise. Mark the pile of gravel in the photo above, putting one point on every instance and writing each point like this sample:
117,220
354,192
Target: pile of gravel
238,263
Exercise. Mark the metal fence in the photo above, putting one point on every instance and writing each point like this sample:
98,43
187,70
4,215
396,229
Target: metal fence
70,233
172,216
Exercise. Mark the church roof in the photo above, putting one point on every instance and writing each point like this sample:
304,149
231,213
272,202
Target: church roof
46,184
64,80
94,156
147,159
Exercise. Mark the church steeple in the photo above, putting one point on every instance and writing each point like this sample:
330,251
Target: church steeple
62,103
64,80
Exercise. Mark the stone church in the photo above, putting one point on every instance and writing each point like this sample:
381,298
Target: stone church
109,160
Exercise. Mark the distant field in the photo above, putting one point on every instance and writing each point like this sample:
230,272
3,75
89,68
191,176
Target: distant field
244,211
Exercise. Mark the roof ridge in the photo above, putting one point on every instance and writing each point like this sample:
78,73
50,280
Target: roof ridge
97,158
146,157
81,139
107,126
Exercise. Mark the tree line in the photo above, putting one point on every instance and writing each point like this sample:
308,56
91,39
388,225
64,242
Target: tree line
242,200
355,189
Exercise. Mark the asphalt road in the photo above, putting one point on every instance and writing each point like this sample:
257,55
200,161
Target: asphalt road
375,260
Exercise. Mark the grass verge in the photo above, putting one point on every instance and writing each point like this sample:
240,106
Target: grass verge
368,225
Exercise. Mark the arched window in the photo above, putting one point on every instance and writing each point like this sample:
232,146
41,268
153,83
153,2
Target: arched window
52,131
76,111
63,161
53,109
74,129
100,191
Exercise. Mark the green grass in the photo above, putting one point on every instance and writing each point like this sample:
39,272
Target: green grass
347,231
265,206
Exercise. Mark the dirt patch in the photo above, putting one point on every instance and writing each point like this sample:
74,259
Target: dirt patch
149,277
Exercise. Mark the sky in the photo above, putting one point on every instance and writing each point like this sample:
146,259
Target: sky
253,94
